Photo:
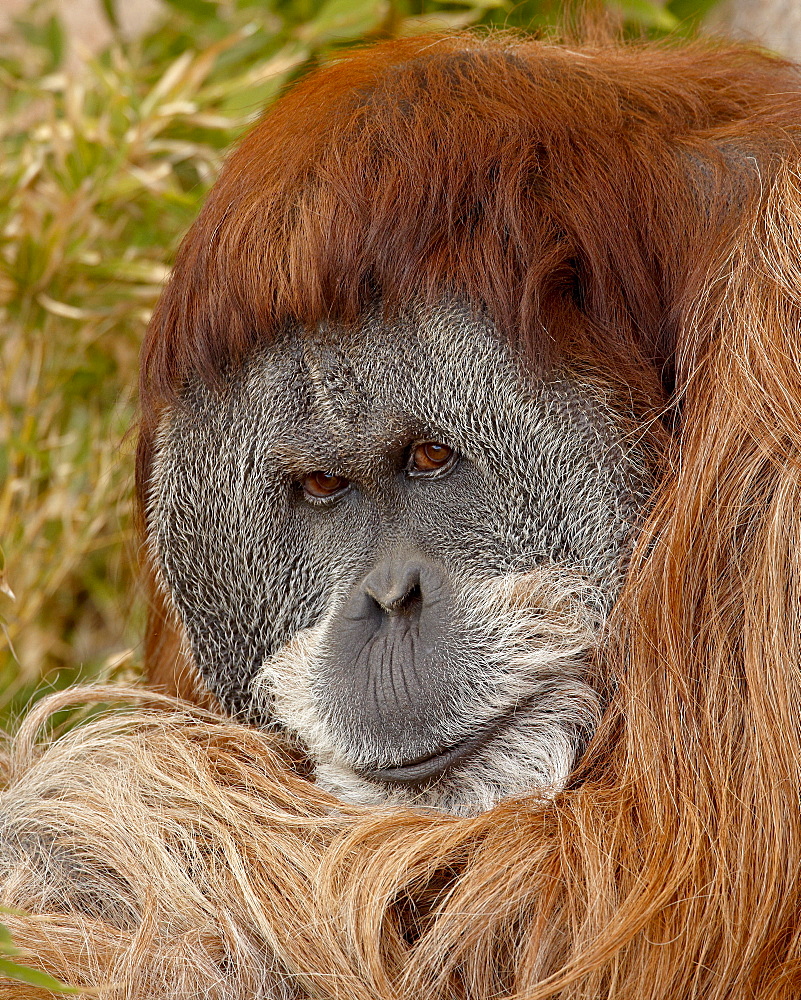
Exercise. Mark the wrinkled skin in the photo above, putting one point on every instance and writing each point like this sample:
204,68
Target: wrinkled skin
427,637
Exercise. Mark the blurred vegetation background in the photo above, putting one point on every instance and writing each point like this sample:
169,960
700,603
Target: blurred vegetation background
103,165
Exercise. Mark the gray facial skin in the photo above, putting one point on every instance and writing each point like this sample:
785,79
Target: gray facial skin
426,637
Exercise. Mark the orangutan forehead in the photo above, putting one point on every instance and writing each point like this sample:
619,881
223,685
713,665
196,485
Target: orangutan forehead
386,378
431,347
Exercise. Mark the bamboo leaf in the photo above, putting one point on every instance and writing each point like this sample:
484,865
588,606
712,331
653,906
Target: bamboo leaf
33,977
340,20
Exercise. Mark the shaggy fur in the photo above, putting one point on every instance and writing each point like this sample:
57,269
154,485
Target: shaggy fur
647,203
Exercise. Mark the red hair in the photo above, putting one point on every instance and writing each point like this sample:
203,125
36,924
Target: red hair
566,192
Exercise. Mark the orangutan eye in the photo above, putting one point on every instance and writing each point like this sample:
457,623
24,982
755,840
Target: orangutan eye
322,485
430,457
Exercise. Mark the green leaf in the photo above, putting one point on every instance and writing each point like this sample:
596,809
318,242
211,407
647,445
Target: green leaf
48,36
440,20
54,40
694,10
475,4
22,974
342,20
7,946
649,13
110,10
201,10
